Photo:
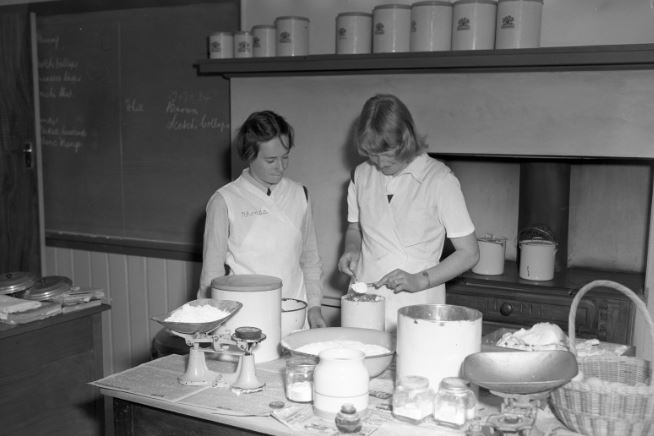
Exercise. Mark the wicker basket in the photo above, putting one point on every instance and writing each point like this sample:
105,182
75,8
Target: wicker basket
625,408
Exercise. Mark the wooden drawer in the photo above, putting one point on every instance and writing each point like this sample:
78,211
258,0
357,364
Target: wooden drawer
600,316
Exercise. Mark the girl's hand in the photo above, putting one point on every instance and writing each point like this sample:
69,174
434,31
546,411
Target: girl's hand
348,262
315,318
401,281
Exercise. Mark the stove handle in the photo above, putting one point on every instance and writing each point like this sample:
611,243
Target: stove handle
506,309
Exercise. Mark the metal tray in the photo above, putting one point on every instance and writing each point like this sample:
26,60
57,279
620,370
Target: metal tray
520,372
190,328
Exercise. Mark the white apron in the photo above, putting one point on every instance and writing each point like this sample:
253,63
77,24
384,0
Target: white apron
265,235
387,244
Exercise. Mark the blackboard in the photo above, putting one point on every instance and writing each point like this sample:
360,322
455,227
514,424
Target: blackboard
134,142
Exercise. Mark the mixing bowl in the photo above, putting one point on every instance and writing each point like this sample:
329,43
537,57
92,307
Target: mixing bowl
294,314
374,364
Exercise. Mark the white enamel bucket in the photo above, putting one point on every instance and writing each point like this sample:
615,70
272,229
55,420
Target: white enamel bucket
434,339
261,299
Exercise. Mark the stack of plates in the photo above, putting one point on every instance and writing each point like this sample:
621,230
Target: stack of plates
49,288
13,282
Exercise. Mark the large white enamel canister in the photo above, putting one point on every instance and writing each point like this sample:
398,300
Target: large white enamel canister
242,44
518,23
491,255
473,24
263,41
431,26
221,45
261,299
292,36
391,28
353,33
537,258
434,339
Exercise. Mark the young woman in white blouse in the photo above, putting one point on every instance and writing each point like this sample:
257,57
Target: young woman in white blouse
261,223
402,205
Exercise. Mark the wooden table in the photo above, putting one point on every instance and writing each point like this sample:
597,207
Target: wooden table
45,368
150,407
135,415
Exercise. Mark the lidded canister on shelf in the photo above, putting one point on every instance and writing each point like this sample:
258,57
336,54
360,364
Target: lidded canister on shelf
261,299
353,33
221,45
518,23
391,28
292,36
242,44
431,26
473,24
263,41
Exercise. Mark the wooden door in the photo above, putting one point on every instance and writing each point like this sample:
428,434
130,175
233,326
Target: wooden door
19,218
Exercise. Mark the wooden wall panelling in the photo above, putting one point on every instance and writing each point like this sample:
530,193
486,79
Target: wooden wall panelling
120,327
137,310
157,289
136,288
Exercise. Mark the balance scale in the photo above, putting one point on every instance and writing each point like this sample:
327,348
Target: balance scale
524,379
244,339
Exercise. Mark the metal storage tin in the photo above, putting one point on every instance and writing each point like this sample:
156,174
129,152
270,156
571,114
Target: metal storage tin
221,45
431,26
353,33
263,41
243,44
391,30
518,23
473,24
292,36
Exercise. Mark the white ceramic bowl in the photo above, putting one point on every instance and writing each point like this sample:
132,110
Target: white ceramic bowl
294,314
374,364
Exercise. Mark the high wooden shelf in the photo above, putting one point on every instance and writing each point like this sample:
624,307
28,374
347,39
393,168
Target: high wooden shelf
603,57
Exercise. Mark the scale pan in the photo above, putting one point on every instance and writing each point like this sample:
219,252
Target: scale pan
520,372
191,328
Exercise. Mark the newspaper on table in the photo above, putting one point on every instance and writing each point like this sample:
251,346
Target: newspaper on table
159,379
155,379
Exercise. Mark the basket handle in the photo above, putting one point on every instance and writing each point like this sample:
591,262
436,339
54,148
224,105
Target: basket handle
640,305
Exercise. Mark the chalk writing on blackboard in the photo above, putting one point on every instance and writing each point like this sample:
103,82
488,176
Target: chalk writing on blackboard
55,135
182,108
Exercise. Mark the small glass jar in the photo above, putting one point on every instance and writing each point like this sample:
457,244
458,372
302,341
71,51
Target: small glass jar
412,399
298,379
454,403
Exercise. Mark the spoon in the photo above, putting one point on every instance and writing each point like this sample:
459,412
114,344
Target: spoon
357,288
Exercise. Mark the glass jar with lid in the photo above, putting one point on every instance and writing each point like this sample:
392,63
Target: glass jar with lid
412,399
454,403
298,378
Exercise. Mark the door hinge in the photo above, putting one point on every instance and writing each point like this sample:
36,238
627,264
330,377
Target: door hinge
28,151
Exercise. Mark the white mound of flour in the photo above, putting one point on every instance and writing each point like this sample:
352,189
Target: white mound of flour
368,349
197,314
